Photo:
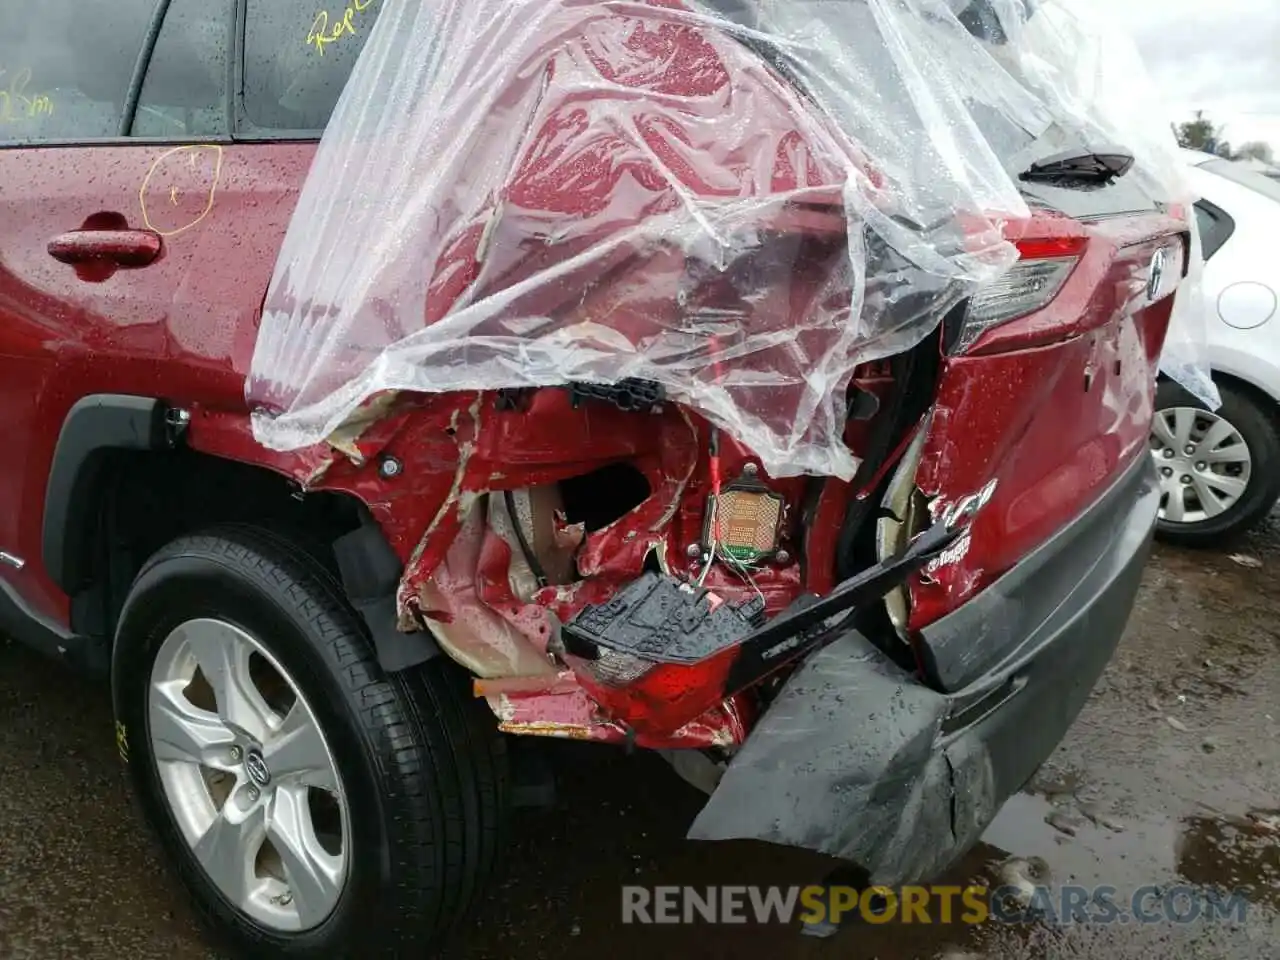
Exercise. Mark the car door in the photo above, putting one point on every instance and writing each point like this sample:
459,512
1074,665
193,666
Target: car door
137,233
1240,293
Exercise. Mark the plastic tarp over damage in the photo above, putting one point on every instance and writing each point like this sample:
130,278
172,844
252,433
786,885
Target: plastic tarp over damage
740,200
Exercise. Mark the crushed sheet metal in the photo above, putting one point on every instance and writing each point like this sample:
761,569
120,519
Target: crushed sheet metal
573,714
563,682
467,628
428,552
842,178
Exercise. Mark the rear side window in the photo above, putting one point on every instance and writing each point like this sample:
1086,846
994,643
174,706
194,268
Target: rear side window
65,68
298,55
1216,227
184,95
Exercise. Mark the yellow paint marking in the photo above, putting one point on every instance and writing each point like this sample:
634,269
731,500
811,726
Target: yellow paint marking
122,741
321,34
16,103
192,151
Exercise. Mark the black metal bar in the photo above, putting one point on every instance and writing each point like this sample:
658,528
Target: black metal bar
872,584
806,625
134,93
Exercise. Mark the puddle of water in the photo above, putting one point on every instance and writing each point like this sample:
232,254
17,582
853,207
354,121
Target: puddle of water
1207,850
1140,853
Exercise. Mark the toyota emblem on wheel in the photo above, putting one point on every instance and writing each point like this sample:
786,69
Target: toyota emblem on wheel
256,767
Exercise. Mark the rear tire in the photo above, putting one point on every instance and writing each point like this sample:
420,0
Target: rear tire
419,770
1256,426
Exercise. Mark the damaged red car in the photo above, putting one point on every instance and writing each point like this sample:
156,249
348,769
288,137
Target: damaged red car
765,385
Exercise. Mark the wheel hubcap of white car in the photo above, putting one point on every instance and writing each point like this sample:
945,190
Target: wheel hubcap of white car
1203,462
248,775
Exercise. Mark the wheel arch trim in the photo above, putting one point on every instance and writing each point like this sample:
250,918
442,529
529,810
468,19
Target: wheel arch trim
95,426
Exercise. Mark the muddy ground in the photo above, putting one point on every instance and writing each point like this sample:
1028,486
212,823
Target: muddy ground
1155,783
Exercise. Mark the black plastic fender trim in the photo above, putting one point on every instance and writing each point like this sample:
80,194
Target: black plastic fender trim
370,572
97,425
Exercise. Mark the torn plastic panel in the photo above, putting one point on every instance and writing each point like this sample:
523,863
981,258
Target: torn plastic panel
846,761
858,759
736,200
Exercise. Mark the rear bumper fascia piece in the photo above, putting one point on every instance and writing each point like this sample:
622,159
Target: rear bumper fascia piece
860,760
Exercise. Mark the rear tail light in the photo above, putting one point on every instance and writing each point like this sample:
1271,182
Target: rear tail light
1030,285
666,696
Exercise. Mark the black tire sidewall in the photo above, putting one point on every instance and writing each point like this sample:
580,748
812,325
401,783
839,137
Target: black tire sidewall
186,587
1257,425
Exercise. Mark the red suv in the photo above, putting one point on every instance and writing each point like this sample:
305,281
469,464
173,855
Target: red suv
318,656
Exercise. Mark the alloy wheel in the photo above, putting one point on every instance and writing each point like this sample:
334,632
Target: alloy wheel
248,775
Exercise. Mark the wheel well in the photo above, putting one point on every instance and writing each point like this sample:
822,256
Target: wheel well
1266,402
144,499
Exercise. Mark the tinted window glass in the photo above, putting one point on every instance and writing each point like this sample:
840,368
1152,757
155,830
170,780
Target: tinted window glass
65,67
184,94
298,56
1215,225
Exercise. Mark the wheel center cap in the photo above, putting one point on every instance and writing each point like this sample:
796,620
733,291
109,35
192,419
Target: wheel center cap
257,768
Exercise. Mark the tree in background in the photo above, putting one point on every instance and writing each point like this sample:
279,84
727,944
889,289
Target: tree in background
1205,135
1200,134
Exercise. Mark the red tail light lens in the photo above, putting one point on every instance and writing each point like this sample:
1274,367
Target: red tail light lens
1030,285
662,698
1049,248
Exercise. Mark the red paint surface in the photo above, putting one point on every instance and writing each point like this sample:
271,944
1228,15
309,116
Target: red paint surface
1053,406
183,328
575,716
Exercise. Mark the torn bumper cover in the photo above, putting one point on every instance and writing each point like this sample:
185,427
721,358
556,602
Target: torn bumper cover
858,759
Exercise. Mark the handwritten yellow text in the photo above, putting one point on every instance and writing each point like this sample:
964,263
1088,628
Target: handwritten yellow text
191,173
15,102
322,34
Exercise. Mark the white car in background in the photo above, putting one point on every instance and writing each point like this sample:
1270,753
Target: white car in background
1220,470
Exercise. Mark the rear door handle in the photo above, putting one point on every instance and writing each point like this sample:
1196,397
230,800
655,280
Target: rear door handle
124,248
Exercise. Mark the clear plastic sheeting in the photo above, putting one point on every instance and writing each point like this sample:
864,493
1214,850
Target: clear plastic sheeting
1093,81
740,200
1185,354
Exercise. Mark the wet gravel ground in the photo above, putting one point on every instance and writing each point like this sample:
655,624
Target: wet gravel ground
1171,776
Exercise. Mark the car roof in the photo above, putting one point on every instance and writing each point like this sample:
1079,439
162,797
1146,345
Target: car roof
1247,185
1197,158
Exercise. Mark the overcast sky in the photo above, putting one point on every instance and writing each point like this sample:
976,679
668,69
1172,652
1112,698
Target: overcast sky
1220,56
